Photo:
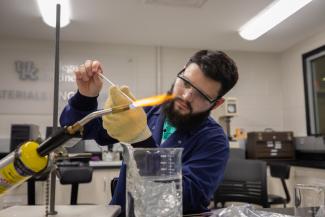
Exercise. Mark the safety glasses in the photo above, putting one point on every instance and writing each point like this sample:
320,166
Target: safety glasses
188,83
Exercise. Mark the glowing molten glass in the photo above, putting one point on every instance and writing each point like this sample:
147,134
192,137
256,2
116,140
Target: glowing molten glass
152,101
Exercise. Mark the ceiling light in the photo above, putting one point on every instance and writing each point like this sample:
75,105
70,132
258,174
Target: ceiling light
48,11
271,16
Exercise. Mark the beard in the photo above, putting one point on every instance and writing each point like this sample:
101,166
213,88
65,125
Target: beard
180,121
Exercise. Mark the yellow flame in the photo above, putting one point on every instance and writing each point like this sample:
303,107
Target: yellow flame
154,100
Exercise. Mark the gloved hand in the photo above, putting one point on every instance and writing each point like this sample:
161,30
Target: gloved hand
128,126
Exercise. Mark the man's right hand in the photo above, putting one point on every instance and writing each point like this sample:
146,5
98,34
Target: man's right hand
87,78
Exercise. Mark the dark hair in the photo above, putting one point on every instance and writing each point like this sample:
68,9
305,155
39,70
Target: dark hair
218,66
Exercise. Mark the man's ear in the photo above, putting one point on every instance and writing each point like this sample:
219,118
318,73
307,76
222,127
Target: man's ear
218,103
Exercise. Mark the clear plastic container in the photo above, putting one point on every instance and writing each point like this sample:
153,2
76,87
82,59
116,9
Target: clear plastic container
154,182
309,200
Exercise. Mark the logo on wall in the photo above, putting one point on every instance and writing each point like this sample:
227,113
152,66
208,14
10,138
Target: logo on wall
26,70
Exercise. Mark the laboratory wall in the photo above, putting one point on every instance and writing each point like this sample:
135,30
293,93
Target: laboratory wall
27,71
257,91
147,70
294,114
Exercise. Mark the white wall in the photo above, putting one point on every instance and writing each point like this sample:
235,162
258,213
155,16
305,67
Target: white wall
258,90
258,93
130,65
14,110
294,117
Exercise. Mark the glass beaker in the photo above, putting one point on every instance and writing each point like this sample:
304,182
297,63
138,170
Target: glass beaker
153,182
309,200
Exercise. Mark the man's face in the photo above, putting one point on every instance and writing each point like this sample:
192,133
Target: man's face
192,100
191,88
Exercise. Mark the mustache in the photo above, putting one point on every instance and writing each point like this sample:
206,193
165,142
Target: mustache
187,103
181,121
177,98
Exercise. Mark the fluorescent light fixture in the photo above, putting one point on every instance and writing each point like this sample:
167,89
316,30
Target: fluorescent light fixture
271,16
48,11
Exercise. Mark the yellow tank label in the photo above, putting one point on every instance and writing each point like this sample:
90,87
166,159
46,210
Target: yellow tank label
29,160
9,177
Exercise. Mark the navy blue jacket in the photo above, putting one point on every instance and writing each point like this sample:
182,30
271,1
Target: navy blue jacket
204,157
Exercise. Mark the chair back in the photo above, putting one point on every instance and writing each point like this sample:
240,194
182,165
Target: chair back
244,181
237,153
74,174
280,170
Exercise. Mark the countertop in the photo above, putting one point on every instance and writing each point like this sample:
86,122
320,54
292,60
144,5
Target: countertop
105,164
63,211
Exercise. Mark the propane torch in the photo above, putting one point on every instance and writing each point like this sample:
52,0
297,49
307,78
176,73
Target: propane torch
31,158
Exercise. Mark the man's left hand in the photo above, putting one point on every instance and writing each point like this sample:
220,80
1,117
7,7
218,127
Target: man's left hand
129,126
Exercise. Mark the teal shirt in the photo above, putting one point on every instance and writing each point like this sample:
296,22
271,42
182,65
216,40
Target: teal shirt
167,131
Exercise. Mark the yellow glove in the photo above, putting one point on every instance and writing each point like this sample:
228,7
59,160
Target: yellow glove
129,126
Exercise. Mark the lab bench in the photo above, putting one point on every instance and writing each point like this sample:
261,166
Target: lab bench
62,211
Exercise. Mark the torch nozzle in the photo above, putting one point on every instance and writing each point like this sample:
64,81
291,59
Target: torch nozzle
102,112
150,101
66,133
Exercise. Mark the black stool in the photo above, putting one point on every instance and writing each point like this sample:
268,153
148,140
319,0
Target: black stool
281,171
74,173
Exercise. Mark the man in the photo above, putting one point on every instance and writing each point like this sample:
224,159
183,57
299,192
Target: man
183,122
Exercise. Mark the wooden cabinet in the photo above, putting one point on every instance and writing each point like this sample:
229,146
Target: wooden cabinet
270,145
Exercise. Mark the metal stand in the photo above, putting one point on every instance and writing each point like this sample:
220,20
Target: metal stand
226,120
55,104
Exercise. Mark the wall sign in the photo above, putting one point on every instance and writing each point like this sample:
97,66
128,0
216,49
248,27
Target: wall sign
26,70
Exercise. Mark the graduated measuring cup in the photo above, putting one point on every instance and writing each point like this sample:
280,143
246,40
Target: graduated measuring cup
153,182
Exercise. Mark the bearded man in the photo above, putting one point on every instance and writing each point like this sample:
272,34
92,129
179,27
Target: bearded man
182,123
